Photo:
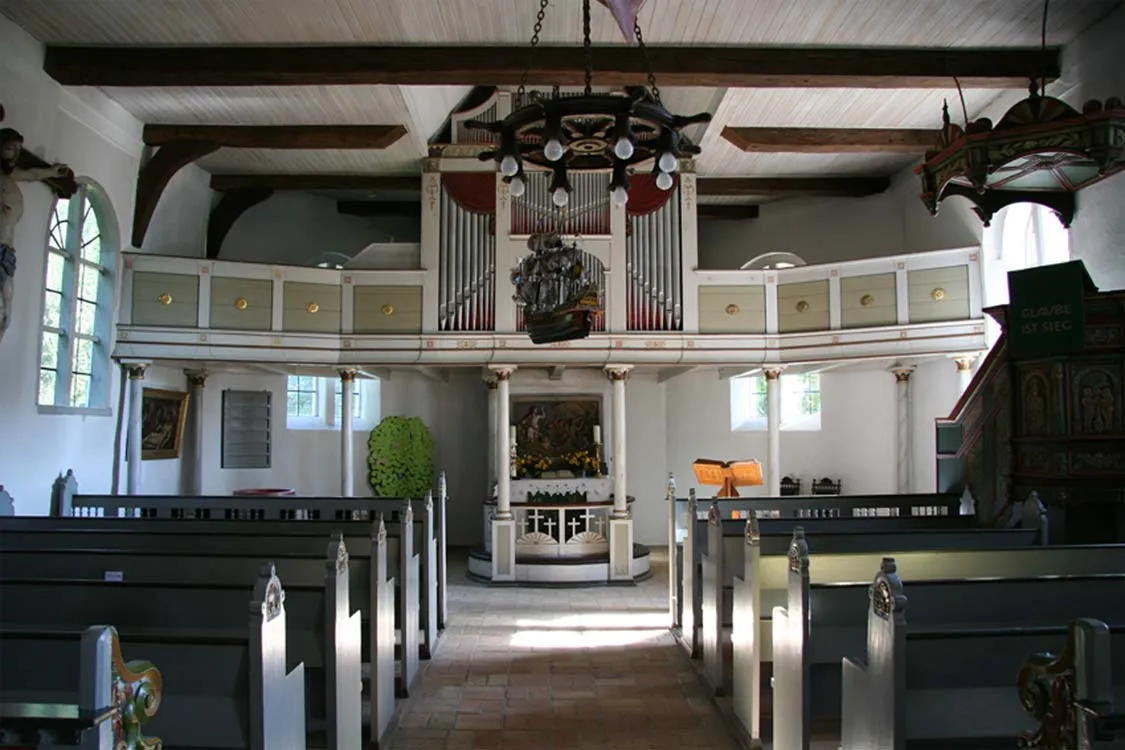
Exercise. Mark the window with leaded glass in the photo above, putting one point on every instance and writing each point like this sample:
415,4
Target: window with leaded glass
77,304
303,397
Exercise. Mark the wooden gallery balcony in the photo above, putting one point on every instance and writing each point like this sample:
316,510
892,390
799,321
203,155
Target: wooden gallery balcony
900,306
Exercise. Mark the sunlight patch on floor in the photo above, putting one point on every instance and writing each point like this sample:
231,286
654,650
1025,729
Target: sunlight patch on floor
638,620
556,640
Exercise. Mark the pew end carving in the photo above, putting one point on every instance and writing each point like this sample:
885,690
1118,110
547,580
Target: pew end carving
1070,694
7,504
790,486
132,690
276,715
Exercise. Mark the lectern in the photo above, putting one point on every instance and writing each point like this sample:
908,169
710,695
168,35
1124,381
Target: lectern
727,475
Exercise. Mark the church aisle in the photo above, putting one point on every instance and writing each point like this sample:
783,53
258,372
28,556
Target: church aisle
550,669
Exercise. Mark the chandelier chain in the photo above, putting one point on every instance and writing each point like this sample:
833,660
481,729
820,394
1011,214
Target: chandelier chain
648,61
587,46
531,53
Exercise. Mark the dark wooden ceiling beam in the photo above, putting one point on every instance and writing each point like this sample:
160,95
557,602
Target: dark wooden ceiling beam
227,211
727,212
840,187
618,65
278,136
154,175
225,182
831,140
380,208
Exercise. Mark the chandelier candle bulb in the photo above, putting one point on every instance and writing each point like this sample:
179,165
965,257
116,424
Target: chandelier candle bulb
664,181
553,150
619,196
668,162
509,166
560,197
623,148
517,187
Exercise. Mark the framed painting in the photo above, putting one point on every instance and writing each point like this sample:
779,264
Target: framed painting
553,426
163,414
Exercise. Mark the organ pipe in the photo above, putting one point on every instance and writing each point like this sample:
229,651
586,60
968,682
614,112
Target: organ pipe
653,270
467,259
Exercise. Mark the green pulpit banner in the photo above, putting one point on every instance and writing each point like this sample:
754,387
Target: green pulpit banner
1046,313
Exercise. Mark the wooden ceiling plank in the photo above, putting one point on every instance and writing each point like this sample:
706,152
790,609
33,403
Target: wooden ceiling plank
831,140
843,187
727,212
225,182
766,67
374,137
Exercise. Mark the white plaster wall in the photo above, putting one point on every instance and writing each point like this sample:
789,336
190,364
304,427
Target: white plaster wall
297,227
856,441
102,142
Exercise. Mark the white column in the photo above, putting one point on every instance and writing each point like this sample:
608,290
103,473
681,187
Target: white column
905,436
964,371
196,380
347,433
133,430
493,431
503,532
618,375
773,431
502,442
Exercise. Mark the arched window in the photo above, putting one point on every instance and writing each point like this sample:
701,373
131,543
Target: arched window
769,261
332,260
74,363
1022,235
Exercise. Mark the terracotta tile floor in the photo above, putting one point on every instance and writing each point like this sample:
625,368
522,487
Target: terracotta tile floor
548,669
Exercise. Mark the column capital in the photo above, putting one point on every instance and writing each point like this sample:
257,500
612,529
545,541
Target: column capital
347,376
618,373
136,370
503,372
965,361
491,381
772,373
902,374
196,378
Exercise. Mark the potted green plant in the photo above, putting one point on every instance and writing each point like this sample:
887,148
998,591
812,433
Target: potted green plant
400,458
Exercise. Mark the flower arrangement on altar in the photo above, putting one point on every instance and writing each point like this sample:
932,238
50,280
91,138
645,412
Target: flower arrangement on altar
532,464
582,460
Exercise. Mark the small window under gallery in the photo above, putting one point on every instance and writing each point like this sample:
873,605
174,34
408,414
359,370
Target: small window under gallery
800,402
76,327
316,403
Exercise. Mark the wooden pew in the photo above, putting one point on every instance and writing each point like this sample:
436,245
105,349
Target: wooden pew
835,579
65,501
933,519
78,701
723,543
954,685
224,686
415,571
155,551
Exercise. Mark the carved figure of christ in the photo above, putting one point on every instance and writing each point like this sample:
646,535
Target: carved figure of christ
11,211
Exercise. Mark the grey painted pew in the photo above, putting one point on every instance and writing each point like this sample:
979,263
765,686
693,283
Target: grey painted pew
268,539
834,578
224,686
822,624
74,703
67,502
956,685
723,544
324,634
204,557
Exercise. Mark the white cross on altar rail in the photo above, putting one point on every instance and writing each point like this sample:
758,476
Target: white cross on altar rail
574,523
587,517
535,517
550,524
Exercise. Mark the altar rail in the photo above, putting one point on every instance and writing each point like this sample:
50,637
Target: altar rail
562,530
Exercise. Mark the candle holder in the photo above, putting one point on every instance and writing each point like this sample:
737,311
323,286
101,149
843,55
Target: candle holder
602,469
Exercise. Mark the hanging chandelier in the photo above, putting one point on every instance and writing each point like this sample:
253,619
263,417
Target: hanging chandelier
591,132
1041,151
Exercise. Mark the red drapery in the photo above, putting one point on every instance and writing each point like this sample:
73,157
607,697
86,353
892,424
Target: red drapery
473,191
645,197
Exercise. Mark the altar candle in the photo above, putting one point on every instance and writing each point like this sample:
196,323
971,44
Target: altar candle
513,435
598,434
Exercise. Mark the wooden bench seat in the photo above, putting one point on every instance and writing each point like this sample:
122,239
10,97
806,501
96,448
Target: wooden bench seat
223,686
755,635
332,649
73,703
956,685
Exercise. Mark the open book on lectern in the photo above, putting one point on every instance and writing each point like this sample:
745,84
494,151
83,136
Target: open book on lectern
728,474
